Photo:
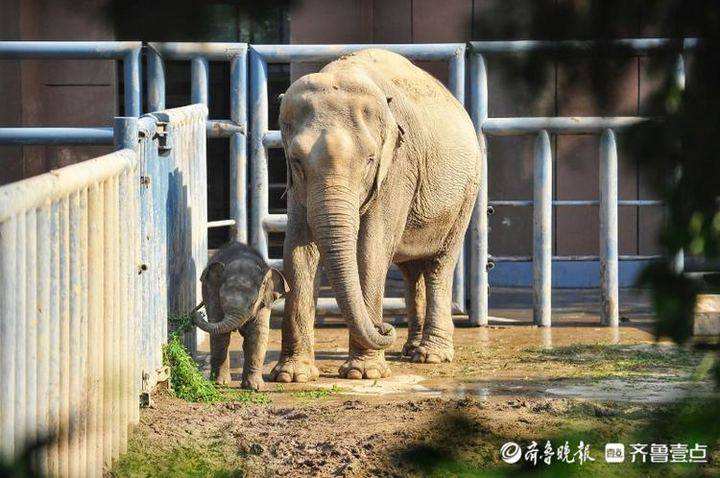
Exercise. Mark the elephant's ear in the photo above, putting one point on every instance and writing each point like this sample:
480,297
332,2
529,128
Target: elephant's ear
391,142
212,271
274,287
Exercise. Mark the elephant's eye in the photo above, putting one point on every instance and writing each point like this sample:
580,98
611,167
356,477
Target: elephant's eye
370,159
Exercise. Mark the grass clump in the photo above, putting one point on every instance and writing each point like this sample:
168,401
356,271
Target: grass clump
188,382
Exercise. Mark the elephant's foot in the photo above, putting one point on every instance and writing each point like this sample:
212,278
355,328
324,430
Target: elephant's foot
365,364
410,347
222,376
428,352
252,381
295,368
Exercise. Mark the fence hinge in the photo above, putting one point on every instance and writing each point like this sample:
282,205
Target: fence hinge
163,136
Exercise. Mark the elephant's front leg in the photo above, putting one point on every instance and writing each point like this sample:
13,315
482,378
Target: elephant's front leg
300,259
255,337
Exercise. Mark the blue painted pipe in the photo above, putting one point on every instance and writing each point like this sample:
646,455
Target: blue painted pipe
55,136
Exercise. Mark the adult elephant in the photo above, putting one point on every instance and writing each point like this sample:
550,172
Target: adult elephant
383,167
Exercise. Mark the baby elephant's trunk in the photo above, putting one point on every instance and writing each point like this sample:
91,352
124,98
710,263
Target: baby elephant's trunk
225,326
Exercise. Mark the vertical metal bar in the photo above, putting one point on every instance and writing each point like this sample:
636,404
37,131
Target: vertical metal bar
20,325
107,318
123,316
678,262
238,146
155,81
456,82
76,405
7,339
43,330
114,253
479,222
53,382
200,80
609,230
258,154
133,84
31,323
82,335
542,231
64,333
95,343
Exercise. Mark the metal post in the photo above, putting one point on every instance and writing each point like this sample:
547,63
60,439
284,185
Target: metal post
609,229
238,146
479,222
258,166
200,80
155,81
133,95
678,262
456,82
542,230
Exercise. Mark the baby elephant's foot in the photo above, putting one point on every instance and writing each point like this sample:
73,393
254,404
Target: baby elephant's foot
294,369
253,381
430,353
368,364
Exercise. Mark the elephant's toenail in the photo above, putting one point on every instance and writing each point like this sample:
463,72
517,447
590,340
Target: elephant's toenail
301,378
433,358
354,374
283,377
372,373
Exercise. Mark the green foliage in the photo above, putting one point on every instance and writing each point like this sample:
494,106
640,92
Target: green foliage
318,393
203,460
186,379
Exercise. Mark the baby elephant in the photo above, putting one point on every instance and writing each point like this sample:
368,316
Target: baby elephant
238,290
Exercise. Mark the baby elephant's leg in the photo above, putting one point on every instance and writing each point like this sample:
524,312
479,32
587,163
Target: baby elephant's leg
220,358
255,337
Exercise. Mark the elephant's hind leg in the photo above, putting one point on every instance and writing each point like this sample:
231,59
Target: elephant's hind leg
415,305
436,345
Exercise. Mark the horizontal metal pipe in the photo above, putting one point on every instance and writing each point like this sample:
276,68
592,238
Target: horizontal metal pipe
223,128
575,258
564,125
632,45
272,139
16,50
221,223
573,202
215,51
33,192
275,222
328,306
318,53
32,135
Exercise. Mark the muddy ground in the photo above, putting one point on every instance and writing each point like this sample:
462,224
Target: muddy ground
509,382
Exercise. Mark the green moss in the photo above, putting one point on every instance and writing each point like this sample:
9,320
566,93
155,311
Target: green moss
317,394
188,382
599,360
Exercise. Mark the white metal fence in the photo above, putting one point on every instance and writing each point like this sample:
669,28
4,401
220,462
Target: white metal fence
93,258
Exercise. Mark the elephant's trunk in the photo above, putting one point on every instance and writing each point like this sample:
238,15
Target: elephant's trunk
333,215
225,326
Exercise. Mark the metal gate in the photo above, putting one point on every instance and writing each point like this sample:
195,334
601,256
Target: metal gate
262,138
542,201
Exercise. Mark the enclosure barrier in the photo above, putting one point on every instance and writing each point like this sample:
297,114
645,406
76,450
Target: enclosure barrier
199,55
127,52
262,138
542,202
93,258
69,324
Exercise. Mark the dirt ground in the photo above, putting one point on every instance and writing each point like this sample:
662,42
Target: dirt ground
509,382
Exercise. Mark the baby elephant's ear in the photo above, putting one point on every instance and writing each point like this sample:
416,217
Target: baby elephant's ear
275,286
212,271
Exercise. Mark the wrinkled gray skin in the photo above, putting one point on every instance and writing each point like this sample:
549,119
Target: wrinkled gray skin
383,167
238,290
